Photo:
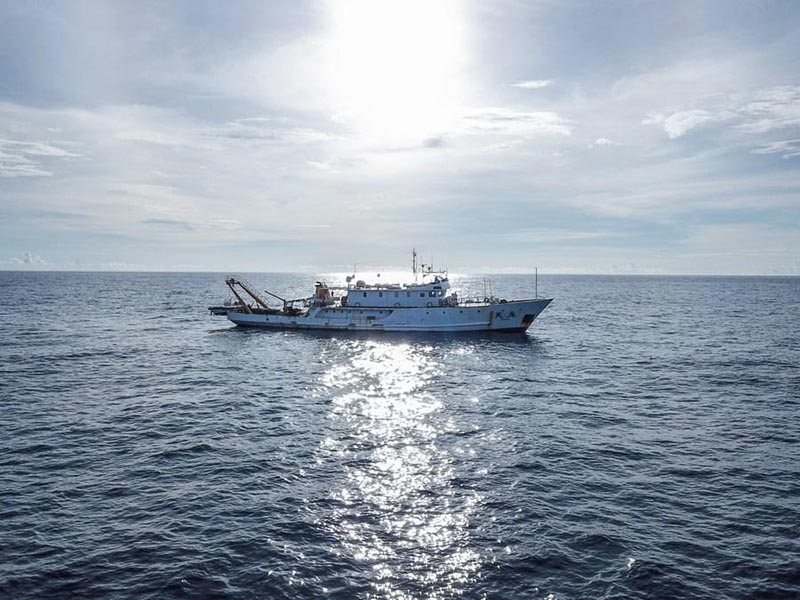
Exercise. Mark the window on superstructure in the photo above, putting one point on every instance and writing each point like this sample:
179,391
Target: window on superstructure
365,294
380,294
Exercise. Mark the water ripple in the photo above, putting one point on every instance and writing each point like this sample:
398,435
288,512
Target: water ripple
639,443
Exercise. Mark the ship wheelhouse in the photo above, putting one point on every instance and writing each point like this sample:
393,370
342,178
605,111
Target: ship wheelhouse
430,294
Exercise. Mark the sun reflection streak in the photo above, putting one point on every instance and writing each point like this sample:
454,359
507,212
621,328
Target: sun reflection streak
395,509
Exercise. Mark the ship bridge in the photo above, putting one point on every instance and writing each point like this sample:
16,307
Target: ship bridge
429,294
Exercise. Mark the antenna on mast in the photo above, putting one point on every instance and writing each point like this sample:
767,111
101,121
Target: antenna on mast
414,263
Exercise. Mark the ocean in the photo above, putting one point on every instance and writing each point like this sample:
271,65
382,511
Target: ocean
640,441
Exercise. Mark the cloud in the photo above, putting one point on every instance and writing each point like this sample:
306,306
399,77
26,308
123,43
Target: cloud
28,258
23,159
770,109
209,137
267,129
533,84
226,223
503,146
434,142
605,142
150,137
786,148
506,121
680,123
176,223
755,112
39,149
321,166
18,165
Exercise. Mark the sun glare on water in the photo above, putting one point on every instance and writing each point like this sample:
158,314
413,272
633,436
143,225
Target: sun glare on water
394,67
394,508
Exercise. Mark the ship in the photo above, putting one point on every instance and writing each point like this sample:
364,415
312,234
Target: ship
426,305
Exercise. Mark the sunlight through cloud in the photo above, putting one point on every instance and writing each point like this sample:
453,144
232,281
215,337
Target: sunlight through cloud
393,67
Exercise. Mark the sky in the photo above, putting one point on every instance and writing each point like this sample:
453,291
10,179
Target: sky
576,137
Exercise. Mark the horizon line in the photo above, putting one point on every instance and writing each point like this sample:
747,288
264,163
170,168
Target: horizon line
307,272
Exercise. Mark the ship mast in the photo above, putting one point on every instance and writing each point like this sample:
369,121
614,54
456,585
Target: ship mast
414,263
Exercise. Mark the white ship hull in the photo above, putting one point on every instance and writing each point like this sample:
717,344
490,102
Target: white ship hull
515,315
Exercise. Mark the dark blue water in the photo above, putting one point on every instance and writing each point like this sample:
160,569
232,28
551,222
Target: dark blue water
640,442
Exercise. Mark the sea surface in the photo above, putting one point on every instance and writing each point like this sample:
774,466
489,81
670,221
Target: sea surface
640,441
